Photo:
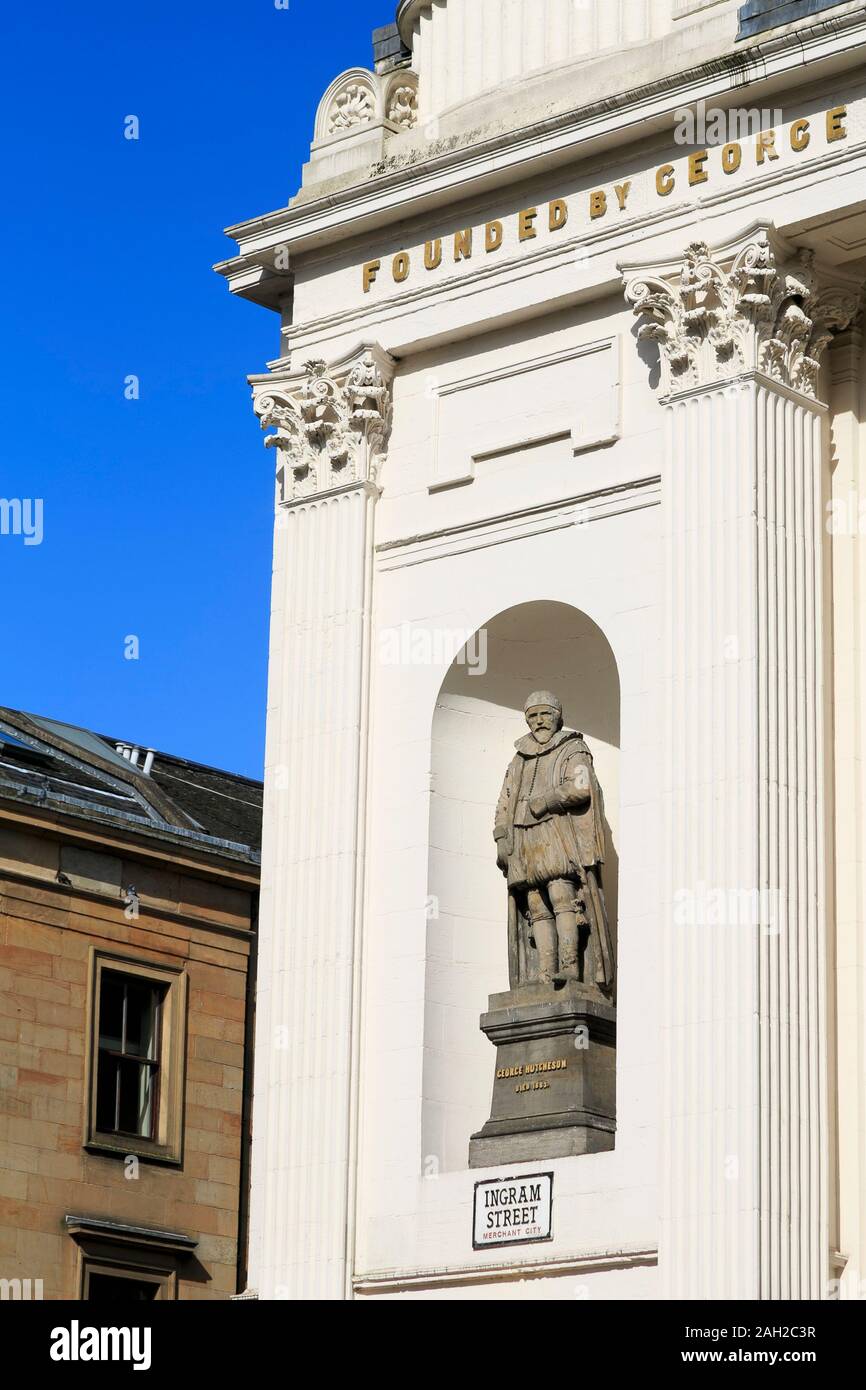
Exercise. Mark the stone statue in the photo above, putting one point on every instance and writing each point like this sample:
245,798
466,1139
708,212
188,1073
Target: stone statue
549,834
553,1096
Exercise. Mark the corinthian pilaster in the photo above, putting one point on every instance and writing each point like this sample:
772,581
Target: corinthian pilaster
766,312
331,425
745,1161
331,422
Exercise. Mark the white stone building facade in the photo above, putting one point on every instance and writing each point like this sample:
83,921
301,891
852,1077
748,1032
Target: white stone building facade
569,393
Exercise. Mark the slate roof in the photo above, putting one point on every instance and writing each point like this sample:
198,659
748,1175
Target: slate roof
80,773
224,803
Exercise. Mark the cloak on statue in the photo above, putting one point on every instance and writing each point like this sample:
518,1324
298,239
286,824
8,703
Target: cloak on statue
564,841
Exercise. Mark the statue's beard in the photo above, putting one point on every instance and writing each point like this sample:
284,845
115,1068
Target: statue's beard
543,735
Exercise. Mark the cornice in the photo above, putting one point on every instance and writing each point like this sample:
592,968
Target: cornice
489,162
96,1228
604,250
390,1281
288,380
581,509
146,910
205,856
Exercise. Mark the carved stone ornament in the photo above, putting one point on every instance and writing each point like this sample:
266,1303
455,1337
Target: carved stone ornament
352,106
332,426
403,107
549,831
766,312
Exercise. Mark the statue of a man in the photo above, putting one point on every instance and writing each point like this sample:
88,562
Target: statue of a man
549,834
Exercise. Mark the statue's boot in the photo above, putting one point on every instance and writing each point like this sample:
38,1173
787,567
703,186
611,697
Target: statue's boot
544,931
566,931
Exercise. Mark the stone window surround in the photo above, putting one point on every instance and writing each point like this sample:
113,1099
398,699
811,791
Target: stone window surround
167,1147
128,1252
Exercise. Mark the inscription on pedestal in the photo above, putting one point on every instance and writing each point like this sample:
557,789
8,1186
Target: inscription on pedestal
532,1072
554,1084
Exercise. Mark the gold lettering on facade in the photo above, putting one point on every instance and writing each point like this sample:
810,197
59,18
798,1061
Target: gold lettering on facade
493,235
697,171
433,253
835,128
700,168
463,244
558,214
525,219
765,146
665,180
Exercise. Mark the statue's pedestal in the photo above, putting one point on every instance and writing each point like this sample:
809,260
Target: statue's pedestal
554,1092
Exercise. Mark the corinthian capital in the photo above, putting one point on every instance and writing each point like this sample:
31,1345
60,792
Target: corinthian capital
755,305
331,422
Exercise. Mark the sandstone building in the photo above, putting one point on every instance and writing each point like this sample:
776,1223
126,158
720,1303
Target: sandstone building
128,903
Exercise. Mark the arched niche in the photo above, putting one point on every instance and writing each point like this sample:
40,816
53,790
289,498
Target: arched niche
477,718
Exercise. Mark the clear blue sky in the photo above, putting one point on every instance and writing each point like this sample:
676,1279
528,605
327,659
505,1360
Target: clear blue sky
157,512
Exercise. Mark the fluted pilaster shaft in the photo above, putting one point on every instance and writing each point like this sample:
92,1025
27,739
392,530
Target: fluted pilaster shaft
745,1126
332,425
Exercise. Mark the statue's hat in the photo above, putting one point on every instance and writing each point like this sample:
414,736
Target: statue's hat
540,698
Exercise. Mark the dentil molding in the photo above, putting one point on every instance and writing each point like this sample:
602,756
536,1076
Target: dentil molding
331,423
755,305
